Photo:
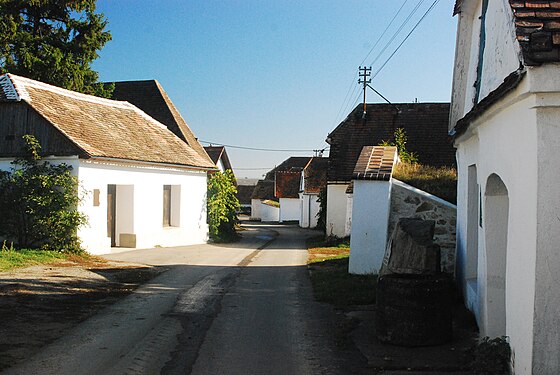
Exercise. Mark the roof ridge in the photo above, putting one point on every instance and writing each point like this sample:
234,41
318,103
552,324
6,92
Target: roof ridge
8,88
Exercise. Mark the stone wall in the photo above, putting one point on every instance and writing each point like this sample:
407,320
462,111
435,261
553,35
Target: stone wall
407,201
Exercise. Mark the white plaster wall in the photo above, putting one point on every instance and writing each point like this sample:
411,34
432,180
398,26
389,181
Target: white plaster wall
220,165
501,53
309,210
289,209
336,210
269,213
256,209
142,190
547,293
371,202
503,141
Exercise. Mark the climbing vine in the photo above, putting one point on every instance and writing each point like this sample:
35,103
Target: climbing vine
222,206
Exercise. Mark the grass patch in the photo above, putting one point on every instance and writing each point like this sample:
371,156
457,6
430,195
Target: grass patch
328,268
272,203
441,182
10,259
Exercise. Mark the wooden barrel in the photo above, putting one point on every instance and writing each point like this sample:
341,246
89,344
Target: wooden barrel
414,310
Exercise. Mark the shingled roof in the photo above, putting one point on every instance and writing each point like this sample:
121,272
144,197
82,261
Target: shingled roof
375,163
315,175
92,127
294,164
217,152
151,98
425,125
537,27
264,190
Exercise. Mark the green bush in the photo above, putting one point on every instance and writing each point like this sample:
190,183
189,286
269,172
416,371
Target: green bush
39,203
222,206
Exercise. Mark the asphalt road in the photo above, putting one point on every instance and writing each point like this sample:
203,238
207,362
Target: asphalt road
245,308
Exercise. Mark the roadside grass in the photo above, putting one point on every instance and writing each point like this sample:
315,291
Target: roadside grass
11,259
441,182
328,269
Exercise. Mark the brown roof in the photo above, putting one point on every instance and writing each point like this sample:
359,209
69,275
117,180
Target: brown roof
100,127
294,164
217,152
264,190
151,98
425,125
244,193
375,163
287,184
537,26
315,175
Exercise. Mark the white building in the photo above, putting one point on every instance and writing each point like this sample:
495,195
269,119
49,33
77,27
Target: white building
313,179
505,121
144,186
286,190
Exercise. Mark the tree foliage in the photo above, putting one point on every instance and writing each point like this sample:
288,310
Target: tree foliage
53,41
322,214
39,201
222,206
400,139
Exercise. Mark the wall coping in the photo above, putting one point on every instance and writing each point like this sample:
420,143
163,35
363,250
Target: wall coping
423,193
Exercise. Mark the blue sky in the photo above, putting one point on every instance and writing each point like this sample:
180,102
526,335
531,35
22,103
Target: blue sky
275,73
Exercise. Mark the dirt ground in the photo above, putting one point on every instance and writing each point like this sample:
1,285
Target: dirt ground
41,303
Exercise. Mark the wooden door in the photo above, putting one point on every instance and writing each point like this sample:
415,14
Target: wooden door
111,213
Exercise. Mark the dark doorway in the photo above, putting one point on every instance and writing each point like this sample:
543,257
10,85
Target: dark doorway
111,213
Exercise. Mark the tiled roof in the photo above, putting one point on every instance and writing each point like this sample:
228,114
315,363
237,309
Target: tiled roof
151,98
294,163
101,127
287,184
425,125
375,163
217,152
537,27
315,175
264,190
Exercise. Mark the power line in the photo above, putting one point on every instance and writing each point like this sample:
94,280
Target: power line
407,36
259,149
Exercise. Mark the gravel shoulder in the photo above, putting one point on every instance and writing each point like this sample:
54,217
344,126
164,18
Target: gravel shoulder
40,304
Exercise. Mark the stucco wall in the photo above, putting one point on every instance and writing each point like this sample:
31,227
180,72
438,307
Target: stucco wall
407,201
309,210
256,209
504,142
269,213
140,205
337,209
371,201
289,209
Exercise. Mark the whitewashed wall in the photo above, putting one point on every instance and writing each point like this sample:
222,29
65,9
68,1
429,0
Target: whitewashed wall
140,190
309,210
337,210
256,209
504,142
289,209
371,202
269,213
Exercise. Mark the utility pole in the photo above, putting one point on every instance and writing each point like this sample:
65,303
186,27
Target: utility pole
365,73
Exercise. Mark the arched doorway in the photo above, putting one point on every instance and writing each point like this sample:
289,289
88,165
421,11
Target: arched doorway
496,212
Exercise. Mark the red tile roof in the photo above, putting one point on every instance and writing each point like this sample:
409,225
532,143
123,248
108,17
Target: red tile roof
425,125
375,163
287,184
537,27
99,127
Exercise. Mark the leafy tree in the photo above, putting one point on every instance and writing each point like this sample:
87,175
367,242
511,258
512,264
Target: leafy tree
53,41
39,202
222,206
400,139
